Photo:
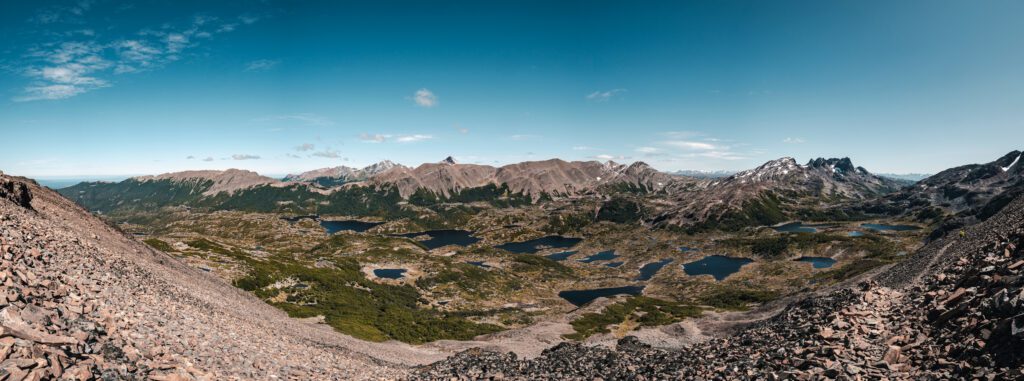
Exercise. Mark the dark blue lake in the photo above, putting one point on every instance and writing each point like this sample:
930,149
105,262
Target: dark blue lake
347,225
440,238
799,227
718,266
897,228
561,256
602,256
389,273
479,264
534,245
687,249
581,297
818,262
647,271
614,264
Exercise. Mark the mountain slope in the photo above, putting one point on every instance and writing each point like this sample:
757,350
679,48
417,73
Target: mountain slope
335,176
552,177
772,193
958,196
951,311
77,281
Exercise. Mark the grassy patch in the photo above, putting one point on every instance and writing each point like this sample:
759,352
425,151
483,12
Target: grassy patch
159,245
644,311
734,297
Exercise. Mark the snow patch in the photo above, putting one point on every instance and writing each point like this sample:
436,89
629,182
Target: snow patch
1013,163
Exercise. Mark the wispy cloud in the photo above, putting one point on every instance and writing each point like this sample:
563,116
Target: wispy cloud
328,153
647,149
64,69
412,138
305,147
691,145
793,140
425,98
583,148
521,137
373,138
208,158
381,138
308,119
604,96
608,157
261,65
244,157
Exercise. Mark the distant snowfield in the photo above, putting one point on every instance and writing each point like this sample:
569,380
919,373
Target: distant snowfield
1007,168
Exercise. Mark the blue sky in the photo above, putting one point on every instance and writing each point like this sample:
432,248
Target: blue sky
95,88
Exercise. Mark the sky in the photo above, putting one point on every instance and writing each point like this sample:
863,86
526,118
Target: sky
98,88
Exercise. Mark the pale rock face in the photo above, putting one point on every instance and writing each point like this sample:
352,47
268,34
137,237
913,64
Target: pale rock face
341,174
554,177
230,180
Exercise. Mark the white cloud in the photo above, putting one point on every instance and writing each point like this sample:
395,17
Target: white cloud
608,157
305,147
208,158
583,148
261,65
190,157
425,98
691,145
604,96
244,157
66,69
793,140
412,138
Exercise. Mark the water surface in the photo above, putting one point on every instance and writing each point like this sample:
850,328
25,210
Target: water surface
718,266
614,264
884,227
647,271
602,256
389,273
534,245
561,256
818,262
856,234
347,225
441,238
581,297
799,227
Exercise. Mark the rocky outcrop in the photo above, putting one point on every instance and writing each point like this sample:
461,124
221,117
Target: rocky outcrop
953,311
82,301
17,192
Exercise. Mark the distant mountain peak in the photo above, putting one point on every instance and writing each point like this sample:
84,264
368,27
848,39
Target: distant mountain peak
448,160
844,165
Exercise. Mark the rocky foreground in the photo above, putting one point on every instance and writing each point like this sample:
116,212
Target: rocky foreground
81,301
955,310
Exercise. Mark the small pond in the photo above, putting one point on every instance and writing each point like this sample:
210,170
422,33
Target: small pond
799,227
602,256
389,273
687,249
561,256
440,238
818,262
534,245
479,264
581,297
347,225
614,264
896,228
647,271
718,266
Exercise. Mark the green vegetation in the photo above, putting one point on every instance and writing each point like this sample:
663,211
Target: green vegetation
735,297
497,195
765,210
644,311
620,210
159,245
